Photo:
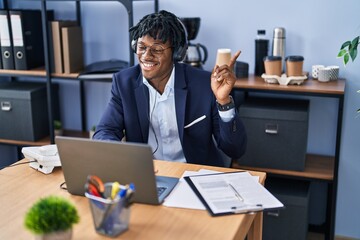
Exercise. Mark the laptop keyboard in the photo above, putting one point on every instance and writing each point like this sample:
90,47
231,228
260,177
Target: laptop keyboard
160,190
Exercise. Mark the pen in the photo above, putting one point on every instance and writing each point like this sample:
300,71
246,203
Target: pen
237,194
248,208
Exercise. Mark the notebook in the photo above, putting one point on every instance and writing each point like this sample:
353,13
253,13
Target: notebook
112,161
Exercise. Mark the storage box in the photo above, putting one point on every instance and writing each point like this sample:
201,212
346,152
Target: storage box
23,113
292,221
277,131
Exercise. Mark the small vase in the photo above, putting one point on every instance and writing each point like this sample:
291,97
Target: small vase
91,134
58,132
59,235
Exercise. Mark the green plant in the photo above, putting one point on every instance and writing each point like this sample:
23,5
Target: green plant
349,50
57,124
51,214
93,128
358,111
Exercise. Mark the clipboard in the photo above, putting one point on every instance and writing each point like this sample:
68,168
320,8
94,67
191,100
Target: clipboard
232,193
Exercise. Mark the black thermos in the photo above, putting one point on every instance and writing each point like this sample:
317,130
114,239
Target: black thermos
261,51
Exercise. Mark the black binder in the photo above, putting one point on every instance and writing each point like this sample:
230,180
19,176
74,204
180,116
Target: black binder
7,56
27,36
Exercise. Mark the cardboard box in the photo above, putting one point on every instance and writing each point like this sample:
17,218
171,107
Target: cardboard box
277,131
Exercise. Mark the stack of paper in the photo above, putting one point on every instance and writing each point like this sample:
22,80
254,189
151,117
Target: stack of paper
221,193
182,196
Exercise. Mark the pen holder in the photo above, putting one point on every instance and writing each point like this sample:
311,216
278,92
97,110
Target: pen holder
110,217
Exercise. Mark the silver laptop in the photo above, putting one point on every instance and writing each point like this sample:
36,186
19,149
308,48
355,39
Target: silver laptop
112,161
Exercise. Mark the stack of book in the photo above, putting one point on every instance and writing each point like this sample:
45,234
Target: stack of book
67,44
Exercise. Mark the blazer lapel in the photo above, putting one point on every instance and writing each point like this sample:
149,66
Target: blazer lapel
142,103
180,99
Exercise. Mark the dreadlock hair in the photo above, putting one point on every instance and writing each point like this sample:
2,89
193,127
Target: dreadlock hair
164,26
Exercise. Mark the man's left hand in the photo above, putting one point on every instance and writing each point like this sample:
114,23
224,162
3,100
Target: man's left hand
223,80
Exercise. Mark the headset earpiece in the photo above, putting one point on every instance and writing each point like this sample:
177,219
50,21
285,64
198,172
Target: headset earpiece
133,45
180,53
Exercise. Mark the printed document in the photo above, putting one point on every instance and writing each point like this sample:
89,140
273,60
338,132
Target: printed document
230,193
182,196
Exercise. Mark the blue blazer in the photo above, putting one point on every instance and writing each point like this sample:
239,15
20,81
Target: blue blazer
128,110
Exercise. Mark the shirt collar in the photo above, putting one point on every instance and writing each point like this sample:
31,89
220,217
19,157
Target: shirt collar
169,87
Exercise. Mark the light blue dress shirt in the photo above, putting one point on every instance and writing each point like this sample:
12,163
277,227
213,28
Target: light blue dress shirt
163,129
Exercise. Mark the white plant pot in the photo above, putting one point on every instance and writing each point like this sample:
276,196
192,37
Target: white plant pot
58,132
91,134
60,235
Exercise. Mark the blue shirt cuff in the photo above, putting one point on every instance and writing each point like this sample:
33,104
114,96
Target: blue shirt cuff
228,115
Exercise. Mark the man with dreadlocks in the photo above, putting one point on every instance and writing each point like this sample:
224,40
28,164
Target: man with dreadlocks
184,113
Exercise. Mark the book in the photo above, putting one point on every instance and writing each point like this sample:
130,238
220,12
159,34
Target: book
56,34
72,43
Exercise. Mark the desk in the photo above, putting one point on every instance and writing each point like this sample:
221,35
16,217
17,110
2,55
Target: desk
21,186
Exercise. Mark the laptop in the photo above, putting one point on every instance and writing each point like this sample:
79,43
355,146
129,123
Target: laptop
112,161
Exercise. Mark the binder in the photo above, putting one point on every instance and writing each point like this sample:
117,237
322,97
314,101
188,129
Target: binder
7,57
72,41
27,36
57,43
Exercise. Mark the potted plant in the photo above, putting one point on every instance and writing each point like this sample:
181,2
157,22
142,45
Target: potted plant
92,131
58,128
51,217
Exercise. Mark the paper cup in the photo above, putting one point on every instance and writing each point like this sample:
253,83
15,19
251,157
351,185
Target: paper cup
223,56
273,65
294,66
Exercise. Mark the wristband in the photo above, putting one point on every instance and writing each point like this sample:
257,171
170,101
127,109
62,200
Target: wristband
227,106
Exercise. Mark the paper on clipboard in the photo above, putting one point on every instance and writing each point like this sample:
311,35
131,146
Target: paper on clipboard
229,193
182,196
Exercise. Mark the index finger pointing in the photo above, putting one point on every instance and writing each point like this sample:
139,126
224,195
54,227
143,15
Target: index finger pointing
233,59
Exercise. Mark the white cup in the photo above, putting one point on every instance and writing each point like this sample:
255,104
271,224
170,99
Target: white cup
315,70
324,74
334,72
223,56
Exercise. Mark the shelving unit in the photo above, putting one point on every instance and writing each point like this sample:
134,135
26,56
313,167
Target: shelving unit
46,71
317,167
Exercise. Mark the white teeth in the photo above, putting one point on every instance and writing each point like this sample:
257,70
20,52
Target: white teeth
148,65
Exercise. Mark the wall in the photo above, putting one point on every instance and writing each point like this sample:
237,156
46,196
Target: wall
315,30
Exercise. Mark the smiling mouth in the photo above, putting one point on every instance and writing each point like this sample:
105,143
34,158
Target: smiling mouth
148,66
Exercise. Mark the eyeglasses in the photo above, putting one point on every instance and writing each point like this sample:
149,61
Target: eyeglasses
156,49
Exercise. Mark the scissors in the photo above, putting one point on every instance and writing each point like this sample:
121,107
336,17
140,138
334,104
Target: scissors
95,186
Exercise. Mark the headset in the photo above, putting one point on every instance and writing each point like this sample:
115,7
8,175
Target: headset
179,53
